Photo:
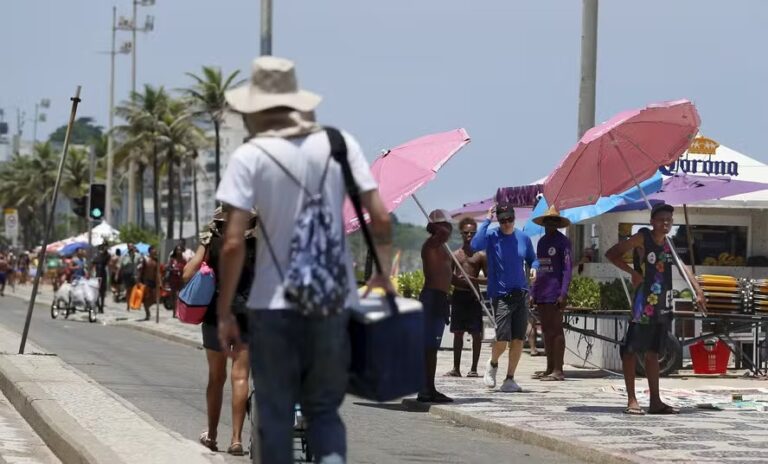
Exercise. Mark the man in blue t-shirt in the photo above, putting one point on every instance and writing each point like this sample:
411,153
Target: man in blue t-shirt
508,251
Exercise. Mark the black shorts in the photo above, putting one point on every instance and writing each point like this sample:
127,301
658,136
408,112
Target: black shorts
466,312
645,337
511,314
211,333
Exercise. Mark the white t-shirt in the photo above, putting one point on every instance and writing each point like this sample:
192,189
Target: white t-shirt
252,179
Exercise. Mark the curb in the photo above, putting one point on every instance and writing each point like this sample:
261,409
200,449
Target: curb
66,438
160,334
540,439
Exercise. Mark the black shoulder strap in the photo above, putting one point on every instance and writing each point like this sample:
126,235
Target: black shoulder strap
339,153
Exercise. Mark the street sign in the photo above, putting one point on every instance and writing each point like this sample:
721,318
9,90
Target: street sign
11,224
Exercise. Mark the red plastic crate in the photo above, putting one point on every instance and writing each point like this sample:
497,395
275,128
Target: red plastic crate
710,359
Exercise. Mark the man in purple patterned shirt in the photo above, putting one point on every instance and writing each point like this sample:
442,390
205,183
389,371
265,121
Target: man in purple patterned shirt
550,290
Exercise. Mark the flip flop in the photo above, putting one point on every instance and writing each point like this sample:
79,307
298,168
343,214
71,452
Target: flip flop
472,374
452,373
539,374
552,378
634,411
666,410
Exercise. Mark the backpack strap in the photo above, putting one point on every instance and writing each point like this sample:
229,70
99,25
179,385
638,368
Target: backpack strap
339,152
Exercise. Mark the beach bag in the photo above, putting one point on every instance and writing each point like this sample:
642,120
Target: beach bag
316,280
137,297
196,295
386,333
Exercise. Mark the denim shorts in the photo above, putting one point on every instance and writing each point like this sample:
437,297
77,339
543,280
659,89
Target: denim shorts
511,314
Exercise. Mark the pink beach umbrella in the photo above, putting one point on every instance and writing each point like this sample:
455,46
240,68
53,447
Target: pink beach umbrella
402,170
622,152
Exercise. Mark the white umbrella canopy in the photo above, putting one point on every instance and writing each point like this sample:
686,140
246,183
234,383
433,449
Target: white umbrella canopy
99,234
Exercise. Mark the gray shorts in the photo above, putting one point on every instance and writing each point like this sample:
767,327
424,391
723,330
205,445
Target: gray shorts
511,314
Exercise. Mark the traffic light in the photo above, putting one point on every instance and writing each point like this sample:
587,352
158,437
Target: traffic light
98,201
78,205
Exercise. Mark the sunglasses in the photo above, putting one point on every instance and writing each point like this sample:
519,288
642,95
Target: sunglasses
469,232
506,220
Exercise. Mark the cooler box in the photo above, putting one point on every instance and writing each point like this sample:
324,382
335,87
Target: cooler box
387,349
710,358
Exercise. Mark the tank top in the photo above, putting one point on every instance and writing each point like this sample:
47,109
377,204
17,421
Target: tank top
653,298
244,283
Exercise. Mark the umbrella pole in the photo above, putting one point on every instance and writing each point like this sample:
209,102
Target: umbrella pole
461,268
678,261
689,236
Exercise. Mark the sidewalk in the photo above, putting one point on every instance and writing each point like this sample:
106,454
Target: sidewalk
583,416
18,442
80,420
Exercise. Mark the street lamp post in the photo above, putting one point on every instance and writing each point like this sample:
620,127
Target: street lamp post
266,27
45,103
124,49
132,26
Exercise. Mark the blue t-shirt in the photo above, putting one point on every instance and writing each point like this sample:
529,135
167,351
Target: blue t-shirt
506,256
79,271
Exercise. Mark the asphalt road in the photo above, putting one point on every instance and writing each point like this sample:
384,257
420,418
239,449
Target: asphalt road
167,380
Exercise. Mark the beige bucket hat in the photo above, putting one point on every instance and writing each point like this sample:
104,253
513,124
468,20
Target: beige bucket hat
273,84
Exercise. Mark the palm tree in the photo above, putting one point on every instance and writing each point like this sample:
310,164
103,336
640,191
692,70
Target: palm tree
76,177
139,135
27,183
208,95
178,138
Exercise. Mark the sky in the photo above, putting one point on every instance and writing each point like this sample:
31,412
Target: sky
506,70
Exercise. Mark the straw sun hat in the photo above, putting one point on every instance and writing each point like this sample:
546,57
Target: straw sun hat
273,84
551,214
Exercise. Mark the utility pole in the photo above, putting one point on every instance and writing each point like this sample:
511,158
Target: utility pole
148,26
587,94
124,49
266,27
588,66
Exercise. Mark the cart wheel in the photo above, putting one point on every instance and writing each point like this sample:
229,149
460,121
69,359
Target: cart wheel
669,363
91,313
54,310
67,310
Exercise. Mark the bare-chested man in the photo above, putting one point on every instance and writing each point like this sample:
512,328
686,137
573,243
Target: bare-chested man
3,273
148,275
466,310
438,275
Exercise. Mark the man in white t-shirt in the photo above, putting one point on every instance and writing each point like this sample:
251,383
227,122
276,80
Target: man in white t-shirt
295,359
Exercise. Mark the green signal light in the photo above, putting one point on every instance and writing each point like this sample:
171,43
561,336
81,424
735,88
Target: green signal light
96,213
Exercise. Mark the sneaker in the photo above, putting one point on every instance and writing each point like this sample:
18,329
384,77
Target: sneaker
510,386
490,375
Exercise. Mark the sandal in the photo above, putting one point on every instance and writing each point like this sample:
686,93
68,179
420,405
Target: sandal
208,442
236,449
666,410
472,374
539,374
452,373
634,411
552,378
